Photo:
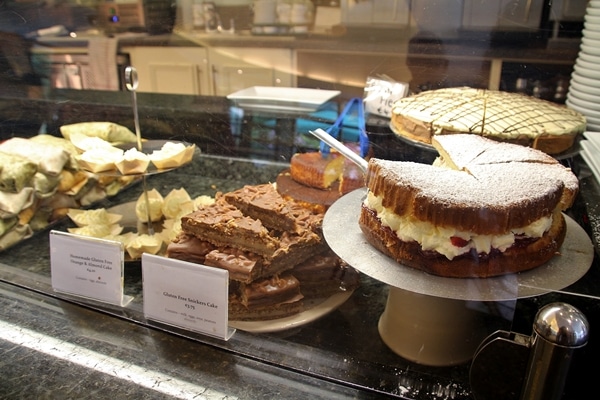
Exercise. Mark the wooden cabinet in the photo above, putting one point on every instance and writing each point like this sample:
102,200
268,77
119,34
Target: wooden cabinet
171,70
236,68
214,71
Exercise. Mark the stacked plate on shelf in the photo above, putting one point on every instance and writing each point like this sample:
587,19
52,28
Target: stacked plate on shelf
590,152
584,88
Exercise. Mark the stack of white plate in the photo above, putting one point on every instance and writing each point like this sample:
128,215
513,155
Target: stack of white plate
590,152
584,88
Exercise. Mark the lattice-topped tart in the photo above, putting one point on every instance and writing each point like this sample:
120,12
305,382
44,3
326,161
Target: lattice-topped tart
498,115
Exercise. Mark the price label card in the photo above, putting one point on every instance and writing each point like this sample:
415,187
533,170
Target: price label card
87,267
187,295
380,95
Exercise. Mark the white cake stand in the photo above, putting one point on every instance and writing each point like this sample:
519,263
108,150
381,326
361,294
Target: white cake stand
433,320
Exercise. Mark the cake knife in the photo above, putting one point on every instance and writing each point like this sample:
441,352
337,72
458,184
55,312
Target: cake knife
339,146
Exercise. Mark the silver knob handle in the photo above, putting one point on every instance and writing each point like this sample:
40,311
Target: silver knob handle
558,330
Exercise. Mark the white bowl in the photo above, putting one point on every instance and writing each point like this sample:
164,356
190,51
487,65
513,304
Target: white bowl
591,115
585,104
592,11
590,42
591,26
587,62
577,87
595,51
592,73
588,33
588,57
577,77
576,92
592,18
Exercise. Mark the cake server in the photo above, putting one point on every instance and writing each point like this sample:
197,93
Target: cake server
339,146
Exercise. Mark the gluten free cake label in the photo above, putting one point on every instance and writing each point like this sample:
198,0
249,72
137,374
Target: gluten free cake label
186,295
87,267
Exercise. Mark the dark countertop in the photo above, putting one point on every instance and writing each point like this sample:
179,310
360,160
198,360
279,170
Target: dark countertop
52,341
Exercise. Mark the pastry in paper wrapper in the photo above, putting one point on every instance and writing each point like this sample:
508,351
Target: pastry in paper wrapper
84,143
6,224
174,201
16,172
12,203
155,201
45,185
100,160
49,159
144,244
133,162
93,217
172,155
97,231
63,143
15,235
108,131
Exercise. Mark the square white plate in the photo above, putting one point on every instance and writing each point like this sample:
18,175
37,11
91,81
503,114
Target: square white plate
279,99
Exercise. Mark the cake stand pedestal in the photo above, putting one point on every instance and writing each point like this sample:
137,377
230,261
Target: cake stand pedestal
434,320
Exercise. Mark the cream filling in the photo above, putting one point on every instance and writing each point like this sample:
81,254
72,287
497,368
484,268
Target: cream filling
438,238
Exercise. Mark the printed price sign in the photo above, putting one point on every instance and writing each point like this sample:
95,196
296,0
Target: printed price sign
187,295
87,267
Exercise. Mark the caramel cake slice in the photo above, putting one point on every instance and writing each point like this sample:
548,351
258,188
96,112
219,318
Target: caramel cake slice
325,274
264,203
264,299
224,225
245,266
189,248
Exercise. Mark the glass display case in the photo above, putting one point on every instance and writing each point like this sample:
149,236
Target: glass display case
244,95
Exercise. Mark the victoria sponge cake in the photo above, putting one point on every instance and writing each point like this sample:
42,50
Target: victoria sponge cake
483,209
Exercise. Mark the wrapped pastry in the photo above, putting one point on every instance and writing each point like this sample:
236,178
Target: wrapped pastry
155,200
97,231
144,244
84,143
16,172
93,217
63,143
45,185
133,162
100,159
108,131
49,159
175,201
172,155
12,203
15,235
6,224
